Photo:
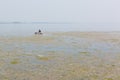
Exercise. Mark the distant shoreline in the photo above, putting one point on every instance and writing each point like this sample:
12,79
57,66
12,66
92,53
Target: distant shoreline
37,23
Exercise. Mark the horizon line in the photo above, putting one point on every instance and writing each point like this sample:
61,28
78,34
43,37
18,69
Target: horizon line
20,22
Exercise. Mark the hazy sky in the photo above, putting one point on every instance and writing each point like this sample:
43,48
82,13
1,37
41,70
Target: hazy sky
85,11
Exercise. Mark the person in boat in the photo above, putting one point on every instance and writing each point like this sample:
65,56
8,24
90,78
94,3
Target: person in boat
39,31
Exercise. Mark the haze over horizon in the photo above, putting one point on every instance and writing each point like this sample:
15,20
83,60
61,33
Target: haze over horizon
87,11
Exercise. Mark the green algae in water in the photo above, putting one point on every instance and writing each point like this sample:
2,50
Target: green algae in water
94,76
108,79
51,52
84,52
5,78
15,61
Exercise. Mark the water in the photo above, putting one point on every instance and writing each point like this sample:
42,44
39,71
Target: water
63,57
29,29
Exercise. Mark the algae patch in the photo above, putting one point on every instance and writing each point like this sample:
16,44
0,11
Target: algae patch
15,61
108,79
84,52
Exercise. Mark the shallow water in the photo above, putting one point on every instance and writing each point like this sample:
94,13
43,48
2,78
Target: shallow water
56,57
29,28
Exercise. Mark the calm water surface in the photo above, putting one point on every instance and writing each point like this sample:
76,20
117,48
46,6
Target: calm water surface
29,29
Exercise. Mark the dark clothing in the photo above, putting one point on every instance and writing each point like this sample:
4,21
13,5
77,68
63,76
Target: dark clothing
39,30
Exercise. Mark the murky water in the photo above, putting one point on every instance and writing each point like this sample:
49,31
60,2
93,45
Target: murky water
56,57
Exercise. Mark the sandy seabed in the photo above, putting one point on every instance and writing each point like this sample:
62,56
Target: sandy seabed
61,56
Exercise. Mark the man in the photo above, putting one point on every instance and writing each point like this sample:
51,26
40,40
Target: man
39,31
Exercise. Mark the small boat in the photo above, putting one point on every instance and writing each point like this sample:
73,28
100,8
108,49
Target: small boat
38,33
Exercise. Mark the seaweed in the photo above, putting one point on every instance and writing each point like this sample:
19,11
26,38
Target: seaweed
15,61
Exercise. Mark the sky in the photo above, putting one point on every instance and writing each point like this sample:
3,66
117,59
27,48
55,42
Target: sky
82,11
